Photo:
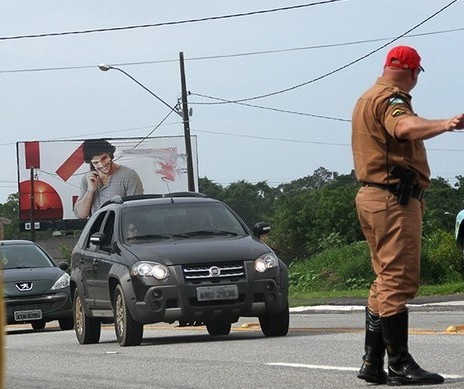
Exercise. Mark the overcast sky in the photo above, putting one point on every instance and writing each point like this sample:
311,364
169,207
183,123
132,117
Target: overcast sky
311,62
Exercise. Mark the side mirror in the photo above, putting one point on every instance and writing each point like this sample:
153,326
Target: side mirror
98,239
63,266
260,229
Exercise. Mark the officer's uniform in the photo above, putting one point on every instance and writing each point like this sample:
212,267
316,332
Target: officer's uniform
393,231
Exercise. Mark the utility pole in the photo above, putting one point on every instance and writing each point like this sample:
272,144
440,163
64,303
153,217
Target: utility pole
186,120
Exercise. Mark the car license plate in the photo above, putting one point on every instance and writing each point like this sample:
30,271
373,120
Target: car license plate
220,292
35,314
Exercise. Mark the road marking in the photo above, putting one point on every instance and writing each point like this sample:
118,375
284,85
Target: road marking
315,367
338,368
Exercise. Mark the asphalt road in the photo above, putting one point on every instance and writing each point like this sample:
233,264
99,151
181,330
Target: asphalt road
322,350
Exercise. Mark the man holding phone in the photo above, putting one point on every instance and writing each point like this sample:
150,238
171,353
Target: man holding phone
105,179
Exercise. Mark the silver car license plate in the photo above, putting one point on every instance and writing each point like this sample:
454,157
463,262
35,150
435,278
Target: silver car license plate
35,314
220,292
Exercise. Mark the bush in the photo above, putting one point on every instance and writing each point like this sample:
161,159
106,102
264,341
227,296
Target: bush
349,267
440,259
346,267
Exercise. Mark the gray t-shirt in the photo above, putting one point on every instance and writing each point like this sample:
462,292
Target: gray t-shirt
123,182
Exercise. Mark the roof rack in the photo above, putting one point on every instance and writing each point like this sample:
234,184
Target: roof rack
185,194
122,199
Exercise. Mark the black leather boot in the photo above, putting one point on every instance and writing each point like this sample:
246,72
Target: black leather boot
402,369
372,367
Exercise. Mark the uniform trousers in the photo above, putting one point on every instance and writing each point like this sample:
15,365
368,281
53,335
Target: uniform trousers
393,233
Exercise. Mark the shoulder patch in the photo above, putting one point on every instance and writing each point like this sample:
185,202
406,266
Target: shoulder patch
395,100
398,112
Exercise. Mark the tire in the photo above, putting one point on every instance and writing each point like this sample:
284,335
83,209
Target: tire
216,328
275,324
128,331
87,328
38,324
66,324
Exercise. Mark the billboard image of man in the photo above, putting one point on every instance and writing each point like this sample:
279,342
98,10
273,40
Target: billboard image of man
105,178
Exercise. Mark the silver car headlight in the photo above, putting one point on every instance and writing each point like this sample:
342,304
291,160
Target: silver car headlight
150,269
62,282
266,261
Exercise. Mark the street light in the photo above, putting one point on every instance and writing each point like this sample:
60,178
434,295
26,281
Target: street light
184,115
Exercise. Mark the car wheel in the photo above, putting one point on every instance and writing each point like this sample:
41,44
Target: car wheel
87,328
66,324
218,328
275,324
38,324
128,331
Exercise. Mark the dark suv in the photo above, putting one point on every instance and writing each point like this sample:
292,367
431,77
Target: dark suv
180,257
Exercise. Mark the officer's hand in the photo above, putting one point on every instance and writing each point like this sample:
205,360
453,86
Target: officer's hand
455,123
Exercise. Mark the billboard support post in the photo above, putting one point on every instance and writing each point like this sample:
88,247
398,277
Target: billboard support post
32,198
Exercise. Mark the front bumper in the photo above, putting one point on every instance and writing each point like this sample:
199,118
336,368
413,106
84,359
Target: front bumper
53,306
170,303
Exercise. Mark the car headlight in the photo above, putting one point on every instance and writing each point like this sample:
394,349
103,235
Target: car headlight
62,282
150,269
266,261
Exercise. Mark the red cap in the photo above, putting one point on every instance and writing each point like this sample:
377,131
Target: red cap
403,57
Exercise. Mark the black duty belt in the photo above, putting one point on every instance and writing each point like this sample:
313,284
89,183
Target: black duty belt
417,193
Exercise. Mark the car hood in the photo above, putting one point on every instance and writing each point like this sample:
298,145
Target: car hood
193,250
42,279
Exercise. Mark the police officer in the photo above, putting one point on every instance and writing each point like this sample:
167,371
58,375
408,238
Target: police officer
391,162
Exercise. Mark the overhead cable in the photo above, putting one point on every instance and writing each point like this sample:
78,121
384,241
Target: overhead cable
151,25
339,68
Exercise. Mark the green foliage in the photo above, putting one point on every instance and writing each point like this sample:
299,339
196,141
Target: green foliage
253,202
344,268
307,220
65,253
349,267
10,210
441,259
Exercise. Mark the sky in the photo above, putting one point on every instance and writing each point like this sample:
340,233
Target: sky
286,79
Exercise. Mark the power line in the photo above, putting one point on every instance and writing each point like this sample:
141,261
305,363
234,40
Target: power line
234,55
268,108
224,101
139,26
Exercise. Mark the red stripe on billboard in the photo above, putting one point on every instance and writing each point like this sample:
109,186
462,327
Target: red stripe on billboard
32,152
74,162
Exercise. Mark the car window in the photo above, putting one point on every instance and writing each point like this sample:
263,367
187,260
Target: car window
167,220
96,227
108,230
23,256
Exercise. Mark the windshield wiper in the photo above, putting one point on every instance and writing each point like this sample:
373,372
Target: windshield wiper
148,236
211,232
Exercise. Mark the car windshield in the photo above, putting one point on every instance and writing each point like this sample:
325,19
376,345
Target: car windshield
23,256
178,220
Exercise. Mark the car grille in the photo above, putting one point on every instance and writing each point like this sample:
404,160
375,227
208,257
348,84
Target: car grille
198,273
26,306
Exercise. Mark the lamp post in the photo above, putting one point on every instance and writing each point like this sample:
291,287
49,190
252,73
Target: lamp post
184,115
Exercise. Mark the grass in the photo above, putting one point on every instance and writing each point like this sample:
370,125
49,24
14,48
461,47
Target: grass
321,297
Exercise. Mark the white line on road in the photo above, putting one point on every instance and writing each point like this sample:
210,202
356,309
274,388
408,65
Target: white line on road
339,368
317,367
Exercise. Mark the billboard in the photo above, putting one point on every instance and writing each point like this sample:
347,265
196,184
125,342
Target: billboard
54,171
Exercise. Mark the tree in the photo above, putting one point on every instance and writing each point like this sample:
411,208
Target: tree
210,188
320,177
443,202
10,210
253,202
